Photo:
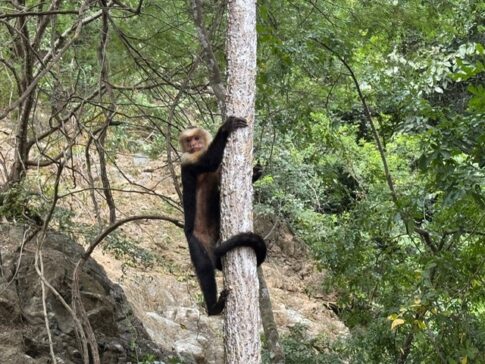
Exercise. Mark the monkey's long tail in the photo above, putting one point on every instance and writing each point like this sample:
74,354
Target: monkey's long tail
250,240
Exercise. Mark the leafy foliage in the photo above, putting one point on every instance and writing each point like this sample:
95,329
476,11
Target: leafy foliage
408,275
129,251
19,204
299,349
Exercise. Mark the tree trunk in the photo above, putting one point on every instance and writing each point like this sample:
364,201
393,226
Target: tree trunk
276,352
242,320
24,50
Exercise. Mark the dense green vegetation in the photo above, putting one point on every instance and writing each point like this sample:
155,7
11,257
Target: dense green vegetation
409,265
400,229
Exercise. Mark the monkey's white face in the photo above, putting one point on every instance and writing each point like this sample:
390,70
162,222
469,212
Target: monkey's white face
194,143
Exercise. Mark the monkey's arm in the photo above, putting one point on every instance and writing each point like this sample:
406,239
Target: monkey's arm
212,158
189,183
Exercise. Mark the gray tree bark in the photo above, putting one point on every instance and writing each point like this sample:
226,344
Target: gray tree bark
276,352
242,318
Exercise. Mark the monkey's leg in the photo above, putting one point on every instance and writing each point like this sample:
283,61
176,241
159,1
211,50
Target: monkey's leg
205,271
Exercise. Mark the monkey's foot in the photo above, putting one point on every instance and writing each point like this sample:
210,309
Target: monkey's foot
224,293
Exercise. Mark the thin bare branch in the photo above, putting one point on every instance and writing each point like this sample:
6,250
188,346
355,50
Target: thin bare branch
37,13
215,77
76,295
62,45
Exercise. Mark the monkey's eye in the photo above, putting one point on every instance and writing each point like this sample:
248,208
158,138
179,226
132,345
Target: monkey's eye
196,138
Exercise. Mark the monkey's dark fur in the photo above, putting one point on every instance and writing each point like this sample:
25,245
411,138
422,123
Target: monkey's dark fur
201,180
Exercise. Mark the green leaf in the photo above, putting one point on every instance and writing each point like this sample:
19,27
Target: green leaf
396,323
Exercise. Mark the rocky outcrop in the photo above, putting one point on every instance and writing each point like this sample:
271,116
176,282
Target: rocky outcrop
23,334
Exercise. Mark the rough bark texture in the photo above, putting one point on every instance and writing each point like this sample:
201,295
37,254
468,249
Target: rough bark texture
242,320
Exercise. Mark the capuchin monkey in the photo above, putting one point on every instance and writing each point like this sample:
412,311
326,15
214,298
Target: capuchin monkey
201,160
